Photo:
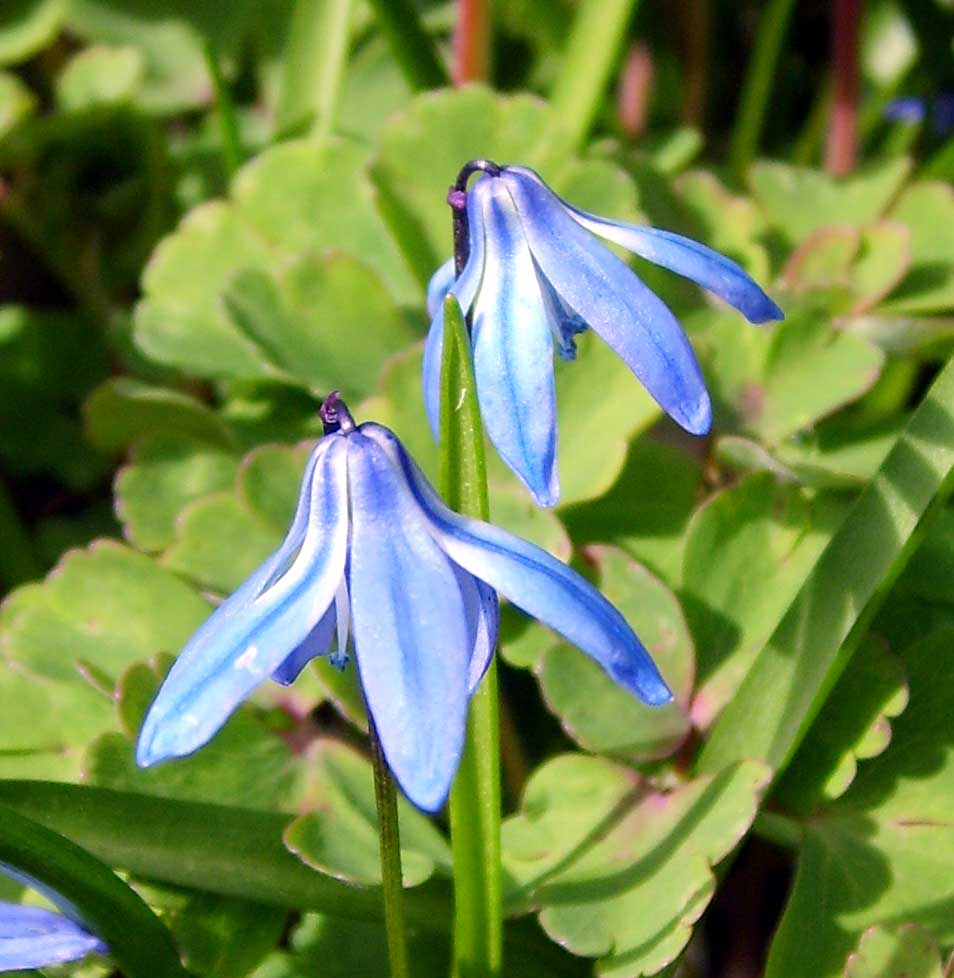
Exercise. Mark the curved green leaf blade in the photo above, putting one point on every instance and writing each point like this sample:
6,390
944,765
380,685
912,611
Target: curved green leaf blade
138,942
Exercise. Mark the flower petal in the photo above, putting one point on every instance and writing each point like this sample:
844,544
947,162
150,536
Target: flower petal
317,642
538,584
465,288
483,621
410,628
513,349
609,297
31,937
245,640
438,287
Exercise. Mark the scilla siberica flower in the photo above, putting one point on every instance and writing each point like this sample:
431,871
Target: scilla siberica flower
31,937
535,273
374,553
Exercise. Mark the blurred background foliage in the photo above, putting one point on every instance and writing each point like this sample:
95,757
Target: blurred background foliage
211,214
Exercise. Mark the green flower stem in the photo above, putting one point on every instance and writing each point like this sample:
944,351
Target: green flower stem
385,796
232,154
757,87
314,64
410,44
475,796
592,52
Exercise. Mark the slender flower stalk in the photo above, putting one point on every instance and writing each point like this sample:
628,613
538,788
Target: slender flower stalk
635,87
842,147
471,42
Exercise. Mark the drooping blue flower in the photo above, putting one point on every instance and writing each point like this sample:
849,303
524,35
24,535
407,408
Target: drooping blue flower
32,937
373,553
536,274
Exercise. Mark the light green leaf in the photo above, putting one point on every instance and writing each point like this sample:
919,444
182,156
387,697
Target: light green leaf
798,201
290,205
17,102
28,25
882,853
166,471
99,75
601,716
340,837
908,951
748,551
616,869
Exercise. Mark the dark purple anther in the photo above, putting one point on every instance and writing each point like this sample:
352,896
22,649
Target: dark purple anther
335,415
457,198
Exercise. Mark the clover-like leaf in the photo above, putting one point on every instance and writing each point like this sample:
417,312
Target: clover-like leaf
616,869
908,951
202,312
597,713
27,25
882,853
99,75
748,551
798,200
340,837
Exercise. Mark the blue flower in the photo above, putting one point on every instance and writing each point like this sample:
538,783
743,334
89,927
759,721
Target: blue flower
31,937
374,553
536,274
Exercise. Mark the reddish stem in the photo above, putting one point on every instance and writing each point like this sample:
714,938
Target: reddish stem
698,17
842,147
635,87
471,42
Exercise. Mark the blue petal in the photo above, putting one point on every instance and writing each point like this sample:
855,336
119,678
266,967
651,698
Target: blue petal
317,642
34,938
482,611
536,583
513,349
410,628
609,297
465,288
438,287
251,633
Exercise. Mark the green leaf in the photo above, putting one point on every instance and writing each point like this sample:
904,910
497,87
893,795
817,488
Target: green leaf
777,380
600,715
616,869
340,838
646,510
853,725
169,841
748,551
121,411
28,25
17,102
927,209
138,943
908,951
798,201
222,937
99,75
107,606
166,472
792,674
288,206
882,853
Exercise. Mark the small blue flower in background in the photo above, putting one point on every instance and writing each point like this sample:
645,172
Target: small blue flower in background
536,274
31,937
374,553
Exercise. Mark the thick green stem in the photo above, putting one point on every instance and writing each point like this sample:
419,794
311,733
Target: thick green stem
385,796
475,796
313,66
592,52
758,85
410,44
